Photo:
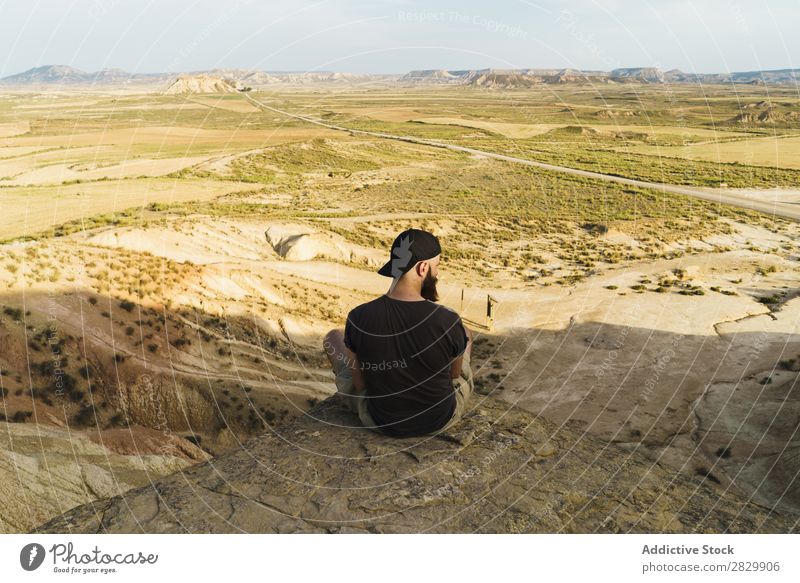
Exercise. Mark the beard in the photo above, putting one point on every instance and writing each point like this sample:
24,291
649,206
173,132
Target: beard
428,290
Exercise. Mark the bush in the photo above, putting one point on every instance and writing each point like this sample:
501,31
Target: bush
85,416
21,416
15,313
68,383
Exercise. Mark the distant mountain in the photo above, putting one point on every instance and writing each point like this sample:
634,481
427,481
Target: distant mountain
431,76
245,77
63,75
502,79
640,74
780,76
312,77
521,78
484,78
47,75
255,78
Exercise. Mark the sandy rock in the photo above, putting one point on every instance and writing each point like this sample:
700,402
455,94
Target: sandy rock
301,246
100,482
500,469
147,441
46,470
302,243
747,432
200,84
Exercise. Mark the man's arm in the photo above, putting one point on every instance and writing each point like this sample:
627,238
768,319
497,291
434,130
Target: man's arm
349,343
455,369
355,369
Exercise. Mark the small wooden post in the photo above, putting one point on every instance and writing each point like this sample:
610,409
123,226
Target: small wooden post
490,302
461,311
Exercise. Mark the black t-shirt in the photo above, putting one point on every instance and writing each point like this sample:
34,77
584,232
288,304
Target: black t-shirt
406,350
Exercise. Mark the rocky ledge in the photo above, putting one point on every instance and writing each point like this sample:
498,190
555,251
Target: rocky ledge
500,470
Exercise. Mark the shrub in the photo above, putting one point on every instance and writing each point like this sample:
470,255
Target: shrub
68,382
723,452
21,416
85,416
15,313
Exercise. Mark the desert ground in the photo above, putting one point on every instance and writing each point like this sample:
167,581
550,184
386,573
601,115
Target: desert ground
170,263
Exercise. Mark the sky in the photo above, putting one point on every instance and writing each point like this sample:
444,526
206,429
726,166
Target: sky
396,36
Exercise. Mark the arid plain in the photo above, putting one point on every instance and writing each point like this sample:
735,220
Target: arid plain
170,263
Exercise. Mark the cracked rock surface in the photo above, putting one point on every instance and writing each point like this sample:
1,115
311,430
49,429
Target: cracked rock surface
501,469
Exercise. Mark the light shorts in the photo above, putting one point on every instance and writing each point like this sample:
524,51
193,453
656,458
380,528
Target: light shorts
463,386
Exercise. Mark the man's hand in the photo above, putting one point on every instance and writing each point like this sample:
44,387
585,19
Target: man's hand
339,355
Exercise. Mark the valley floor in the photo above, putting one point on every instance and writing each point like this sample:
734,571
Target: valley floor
170,267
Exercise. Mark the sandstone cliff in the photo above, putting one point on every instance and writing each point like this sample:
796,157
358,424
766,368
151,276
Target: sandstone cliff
501,469
200,84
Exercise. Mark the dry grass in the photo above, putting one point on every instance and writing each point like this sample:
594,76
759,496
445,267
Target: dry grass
36,210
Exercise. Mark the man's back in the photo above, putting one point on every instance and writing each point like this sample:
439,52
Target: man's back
406,350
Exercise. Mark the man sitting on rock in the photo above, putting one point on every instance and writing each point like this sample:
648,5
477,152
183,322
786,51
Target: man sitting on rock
402,361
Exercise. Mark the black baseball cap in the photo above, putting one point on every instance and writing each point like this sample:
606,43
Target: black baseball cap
410,246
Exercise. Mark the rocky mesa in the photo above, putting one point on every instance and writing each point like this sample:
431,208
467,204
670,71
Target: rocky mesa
500,470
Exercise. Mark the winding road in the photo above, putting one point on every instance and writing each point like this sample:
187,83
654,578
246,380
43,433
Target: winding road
752,200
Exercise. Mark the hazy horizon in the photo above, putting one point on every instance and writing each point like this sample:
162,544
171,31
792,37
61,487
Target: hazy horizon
291,71
398,36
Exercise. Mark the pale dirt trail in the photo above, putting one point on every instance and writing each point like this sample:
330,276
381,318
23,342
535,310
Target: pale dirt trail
774,208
